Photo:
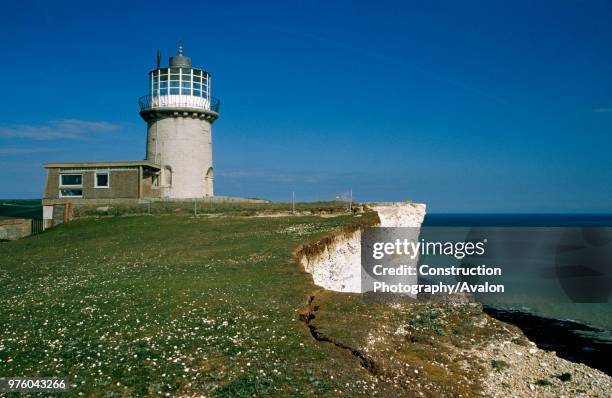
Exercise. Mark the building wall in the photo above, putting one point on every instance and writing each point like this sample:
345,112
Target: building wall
52,184
122,184
148,190
182,145
58,214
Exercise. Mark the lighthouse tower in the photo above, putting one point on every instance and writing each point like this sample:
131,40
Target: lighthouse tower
179,111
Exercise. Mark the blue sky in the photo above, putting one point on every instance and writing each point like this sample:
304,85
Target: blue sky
502,106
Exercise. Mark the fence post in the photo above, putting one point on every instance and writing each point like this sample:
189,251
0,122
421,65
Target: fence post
67,210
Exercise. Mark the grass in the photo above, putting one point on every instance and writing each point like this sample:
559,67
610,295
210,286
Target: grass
420,348
159,305
564,376
210,208
499,365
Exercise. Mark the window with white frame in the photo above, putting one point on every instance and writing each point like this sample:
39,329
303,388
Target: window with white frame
71,180
102,179
71,185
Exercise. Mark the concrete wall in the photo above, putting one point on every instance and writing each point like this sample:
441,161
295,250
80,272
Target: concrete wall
182,144
15,228
58,214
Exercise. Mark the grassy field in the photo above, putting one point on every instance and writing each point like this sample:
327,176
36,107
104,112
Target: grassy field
175,305
210,208
150,305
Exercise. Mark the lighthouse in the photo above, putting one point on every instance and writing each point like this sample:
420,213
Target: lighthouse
179,111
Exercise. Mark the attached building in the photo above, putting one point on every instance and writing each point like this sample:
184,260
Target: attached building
89,182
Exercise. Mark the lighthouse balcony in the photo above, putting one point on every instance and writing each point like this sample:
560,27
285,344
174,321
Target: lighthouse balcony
160,102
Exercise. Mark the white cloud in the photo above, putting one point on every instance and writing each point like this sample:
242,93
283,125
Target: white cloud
66,129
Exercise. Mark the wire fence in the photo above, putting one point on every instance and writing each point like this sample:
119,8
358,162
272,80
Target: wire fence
205,206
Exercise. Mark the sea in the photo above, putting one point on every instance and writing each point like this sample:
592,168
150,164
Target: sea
576,330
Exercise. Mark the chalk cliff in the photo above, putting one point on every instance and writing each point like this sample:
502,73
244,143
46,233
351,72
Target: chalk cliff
338,266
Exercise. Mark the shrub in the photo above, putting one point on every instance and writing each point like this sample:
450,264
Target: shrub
565,376
499,365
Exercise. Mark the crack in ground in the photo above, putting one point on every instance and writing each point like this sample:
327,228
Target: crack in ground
367,363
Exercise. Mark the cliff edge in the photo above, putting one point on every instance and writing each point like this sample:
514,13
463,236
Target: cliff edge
337,266
427,348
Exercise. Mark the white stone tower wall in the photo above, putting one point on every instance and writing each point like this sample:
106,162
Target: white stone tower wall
184,144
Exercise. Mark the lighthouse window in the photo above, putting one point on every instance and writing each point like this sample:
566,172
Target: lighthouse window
179,81
167,176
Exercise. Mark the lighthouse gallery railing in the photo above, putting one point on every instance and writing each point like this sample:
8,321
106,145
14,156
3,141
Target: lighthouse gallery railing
147,102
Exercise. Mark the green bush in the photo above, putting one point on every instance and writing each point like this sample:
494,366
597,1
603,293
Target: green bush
565,376
499,365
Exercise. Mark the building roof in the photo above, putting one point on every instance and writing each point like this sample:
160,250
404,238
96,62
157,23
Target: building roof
102,164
